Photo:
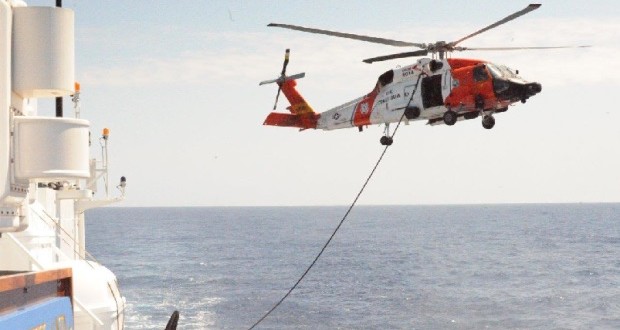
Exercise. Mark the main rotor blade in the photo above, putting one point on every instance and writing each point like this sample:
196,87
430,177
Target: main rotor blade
508,18
384,41
394,56
517,48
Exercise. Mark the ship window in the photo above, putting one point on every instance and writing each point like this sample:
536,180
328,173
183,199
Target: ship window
480,74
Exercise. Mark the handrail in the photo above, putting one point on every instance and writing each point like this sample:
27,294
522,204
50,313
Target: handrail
88,311
57,223
59,252
34,260
25,250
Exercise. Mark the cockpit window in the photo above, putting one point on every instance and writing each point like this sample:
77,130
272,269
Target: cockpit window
501,71
480,74
435,65
386,78
495,71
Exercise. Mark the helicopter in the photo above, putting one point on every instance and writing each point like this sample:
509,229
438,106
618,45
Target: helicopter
439,89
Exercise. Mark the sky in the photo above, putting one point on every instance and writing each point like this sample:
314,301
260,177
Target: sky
177,84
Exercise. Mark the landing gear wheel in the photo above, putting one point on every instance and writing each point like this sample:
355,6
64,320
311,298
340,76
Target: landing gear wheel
449,117
488,122
412,112
386,141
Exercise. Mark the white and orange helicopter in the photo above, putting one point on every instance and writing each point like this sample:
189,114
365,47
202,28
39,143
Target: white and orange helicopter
440,90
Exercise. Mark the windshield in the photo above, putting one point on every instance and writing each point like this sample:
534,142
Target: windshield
501,71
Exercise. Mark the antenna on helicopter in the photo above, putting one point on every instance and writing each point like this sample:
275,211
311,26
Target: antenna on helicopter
283,77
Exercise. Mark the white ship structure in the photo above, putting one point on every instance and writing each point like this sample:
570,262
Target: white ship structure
48,178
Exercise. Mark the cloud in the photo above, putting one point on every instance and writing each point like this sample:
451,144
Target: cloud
217,63
221,57
561,67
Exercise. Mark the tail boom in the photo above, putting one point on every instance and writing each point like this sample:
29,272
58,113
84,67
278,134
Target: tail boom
302,115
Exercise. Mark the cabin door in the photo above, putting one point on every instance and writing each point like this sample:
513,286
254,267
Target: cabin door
431,91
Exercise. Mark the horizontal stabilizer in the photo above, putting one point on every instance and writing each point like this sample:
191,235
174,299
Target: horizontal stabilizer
304,121
281,80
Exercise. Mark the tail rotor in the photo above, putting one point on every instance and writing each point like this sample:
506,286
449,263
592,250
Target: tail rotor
283,77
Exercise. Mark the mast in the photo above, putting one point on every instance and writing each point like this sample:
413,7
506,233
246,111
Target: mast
59,98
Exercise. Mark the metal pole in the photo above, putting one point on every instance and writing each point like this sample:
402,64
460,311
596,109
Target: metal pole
59,99
59,107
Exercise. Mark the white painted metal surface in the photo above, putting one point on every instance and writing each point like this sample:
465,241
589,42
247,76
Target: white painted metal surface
6,223
391,100
43,52
47,178
51,148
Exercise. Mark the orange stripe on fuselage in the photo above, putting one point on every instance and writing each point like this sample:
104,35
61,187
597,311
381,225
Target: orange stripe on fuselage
465,93
363,110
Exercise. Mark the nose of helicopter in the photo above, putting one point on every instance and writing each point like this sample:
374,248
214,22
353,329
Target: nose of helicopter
533,88
511,90
529,90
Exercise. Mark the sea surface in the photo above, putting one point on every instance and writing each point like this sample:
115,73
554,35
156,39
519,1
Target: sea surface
551,266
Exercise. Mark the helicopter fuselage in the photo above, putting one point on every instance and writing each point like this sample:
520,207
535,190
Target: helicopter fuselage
428,89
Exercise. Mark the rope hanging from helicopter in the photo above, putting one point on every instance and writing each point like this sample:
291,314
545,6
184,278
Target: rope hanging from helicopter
439,49
372,172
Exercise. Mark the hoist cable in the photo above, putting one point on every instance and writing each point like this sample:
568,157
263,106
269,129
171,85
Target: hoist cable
343,218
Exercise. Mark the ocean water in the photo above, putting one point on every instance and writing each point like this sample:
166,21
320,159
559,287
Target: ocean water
389,267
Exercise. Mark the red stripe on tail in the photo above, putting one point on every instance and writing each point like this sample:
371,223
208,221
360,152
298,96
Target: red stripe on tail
302,115
298,103
304,121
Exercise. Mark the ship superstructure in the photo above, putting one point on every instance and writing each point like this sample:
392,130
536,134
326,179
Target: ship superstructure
47,176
